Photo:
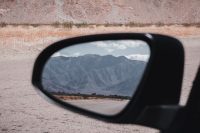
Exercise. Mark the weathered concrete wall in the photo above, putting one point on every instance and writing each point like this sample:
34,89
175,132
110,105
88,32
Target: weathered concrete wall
99,11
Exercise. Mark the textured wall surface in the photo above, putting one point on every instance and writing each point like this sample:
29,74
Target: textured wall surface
99,11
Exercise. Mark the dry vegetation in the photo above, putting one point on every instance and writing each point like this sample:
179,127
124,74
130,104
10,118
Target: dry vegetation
28,40
90,97
85,25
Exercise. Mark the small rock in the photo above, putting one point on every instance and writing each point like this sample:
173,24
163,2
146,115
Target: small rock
4,129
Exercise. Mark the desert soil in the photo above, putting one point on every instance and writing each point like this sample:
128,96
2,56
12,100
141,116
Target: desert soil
101,11
23,110
102,106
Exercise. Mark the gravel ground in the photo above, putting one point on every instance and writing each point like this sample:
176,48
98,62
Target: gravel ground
101,11
22,110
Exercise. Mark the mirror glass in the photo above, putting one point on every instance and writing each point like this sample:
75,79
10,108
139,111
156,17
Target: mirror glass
100,76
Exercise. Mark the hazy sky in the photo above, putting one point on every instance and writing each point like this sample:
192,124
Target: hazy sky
132,49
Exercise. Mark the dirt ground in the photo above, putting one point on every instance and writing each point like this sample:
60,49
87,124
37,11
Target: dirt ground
23,110
101,106
101,11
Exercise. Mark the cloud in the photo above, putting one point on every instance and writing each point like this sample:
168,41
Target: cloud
142,57
76,54
110,50
65,55
119,45
56,54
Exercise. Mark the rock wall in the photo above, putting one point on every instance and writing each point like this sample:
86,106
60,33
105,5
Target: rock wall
100,11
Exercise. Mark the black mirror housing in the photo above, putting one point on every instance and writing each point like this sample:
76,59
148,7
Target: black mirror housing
160,84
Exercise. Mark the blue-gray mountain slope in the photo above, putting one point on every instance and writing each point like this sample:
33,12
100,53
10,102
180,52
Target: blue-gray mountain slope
103,75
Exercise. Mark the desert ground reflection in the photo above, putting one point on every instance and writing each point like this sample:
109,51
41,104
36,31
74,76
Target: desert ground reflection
106,106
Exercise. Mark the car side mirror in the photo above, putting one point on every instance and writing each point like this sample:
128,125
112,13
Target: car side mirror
118,77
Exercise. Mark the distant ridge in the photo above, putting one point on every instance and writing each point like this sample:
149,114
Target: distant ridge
104,75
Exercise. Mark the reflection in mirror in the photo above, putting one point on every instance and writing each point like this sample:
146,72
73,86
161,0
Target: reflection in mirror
100,76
